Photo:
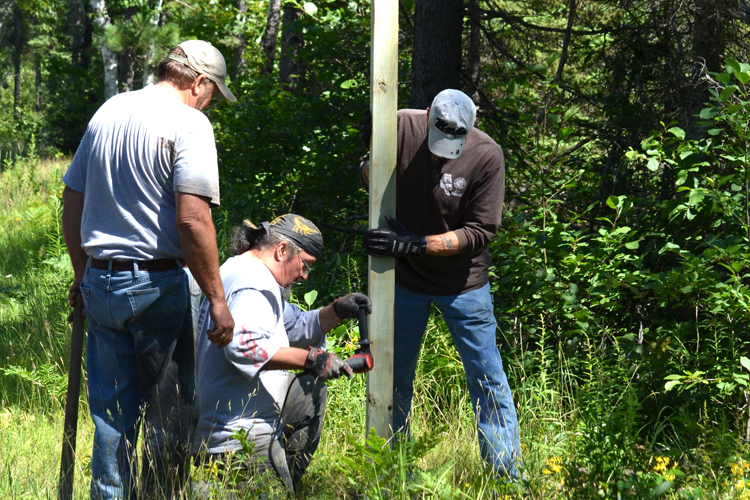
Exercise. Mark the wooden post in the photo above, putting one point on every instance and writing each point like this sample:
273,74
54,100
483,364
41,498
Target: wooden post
384,102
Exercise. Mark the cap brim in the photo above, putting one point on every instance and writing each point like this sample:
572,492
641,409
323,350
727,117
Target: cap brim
443,145
226,92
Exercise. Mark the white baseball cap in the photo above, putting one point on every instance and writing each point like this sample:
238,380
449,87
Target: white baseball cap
206,59
452,116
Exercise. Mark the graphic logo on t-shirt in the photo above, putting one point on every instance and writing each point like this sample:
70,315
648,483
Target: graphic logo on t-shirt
249,348
453,187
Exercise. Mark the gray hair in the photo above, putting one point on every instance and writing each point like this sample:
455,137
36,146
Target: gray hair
245,238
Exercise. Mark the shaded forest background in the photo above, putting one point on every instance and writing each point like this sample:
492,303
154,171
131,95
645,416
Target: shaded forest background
623,256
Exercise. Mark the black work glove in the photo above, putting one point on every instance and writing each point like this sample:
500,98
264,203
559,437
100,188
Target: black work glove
326,365
399,242
348,306
365,129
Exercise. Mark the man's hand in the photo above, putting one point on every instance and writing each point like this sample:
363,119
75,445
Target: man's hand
348,306
326,365
73,292
399,242
223,324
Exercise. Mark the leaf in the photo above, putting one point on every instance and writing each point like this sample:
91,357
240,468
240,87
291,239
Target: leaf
310,8
612,202
671,385
310,297
732,66
653,164
745,362
677,131
571,112
708,113
727,92
743,77
348,84
632,245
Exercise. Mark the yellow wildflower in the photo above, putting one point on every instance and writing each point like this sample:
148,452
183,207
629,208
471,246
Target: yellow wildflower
554,465
663,464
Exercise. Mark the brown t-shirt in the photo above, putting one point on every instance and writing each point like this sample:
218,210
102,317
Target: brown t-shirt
435,195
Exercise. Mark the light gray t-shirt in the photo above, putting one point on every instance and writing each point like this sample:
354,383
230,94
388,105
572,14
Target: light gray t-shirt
233,392
138,150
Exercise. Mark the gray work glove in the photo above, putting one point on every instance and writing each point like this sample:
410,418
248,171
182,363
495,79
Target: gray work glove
398,242
348,306
326,365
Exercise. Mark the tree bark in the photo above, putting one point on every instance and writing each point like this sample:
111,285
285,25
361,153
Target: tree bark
101,20
290,71
80,26
240,65
436,57
149,75
271,35
711,34
17,48
126,75
475,39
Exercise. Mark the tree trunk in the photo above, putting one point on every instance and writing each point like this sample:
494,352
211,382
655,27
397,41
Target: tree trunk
290,71
17,48
149,75
240,65
126,75
271,35
711,34
109,60
80,26
436,57
475,38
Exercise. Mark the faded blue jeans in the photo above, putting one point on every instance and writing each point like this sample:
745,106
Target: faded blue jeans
471,321
141,367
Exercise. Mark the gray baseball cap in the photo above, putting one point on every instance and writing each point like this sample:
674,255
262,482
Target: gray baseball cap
206,59
452,116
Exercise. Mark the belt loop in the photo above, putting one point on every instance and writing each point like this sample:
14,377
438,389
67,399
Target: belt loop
135,269
88,261
109,267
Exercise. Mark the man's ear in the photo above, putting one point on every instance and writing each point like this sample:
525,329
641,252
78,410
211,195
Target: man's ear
200,80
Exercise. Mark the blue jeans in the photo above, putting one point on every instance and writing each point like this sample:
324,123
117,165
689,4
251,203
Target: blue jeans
471,321
140,363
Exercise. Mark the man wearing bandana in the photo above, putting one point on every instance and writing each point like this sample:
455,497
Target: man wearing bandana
449,200
247,386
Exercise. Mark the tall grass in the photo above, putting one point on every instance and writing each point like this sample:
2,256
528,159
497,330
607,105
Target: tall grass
576,409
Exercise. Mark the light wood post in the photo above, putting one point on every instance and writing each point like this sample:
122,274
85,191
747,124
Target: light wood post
384,102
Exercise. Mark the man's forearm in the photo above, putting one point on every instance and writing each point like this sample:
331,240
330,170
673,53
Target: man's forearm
287,358
198,240
71,225
442,245
327,318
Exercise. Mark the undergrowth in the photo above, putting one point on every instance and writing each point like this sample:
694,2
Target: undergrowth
599,414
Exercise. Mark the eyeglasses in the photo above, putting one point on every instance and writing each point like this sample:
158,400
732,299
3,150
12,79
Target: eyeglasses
444,127
307,269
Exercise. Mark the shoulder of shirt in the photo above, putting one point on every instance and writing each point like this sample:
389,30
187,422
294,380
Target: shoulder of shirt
250,272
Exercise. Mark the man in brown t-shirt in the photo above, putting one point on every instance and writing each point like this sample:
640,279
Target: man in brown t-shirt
449,201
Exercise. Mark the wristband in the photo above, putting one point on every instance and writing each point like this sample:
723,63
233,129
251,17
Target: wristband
422,245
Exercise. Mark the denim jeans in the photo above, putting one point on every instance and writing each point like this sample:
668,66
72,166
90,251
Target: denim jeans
287,454
140,363
471,321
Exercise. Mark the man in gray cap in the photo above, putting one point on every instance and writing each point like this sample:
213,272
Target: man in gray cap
449,198
136,214
247,387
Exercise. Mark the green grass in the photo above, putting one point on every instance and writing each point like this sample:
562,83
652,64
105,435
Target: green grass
581,415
